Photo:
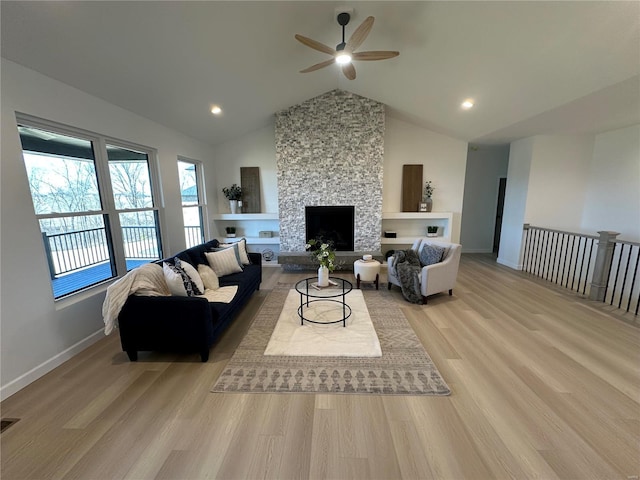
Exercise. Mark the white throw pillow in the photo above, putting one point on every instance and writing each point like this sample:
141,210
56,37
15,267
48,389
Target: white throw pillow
209,277
193,275
223,262
174,280
242,250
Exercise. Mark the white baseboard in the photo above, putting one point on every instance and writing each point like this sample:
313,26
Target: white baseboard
515,266
477,250
35,373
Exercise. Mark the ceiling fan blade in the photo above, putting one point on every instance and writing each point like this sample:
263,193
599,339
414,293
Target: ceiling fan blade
318,66
321,47
359,35
374,55
349,71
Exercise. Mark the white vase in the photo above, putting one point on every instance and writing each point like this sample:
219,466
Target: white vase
233,205
323,276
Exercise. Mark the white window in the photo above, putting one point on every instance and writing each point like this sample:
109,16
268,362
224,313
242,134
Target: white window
192,193
94,200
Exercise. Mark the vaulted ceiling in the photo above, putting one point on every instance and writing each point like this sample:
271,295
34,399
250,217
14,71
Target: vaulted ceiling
531,67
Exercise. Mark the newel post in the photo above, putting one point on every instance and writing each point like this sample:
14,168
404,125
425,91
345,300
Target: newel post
604,257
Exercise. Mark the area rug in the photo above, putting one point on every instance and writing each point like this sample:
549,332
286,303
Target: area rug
405,368
357,339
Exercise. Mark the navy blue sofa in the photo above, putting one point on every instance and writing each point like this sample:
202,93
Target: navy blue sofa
185,324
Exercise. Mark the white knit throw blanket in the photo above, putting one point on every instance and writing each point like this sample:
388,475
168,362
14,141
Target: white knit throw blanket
146,279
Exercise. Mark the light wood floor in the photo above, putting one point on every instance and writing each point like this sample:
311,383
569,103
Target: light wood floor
545,385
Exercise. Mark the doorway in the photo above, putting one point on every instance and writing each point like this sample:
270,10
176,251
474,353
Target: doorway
502,188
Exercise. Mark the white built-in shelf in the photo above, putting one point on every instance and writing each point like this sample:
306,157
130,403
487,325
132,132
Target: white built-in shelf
406,240
254,240
245,216
411,225
416,215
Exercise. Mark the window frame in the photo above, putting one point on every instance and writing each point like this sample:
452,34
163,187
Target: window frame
201,204
109,212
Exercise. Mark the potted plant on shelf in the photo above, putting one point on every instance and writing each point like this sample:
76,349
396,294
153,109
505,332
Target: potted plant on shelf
233,194
426,198
231,231
325,255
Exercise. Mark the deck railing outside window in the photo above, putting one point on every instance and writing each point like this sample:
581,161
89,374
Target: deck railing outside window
140,242
193,236
598,266
71,251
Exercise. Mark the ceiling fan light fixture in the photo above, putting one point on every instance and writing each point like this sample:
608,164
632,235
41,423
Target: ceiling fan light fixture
343,58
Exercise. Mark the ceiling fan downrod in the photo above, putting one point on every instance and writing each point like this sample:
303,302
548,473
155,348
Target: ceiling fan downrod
343,20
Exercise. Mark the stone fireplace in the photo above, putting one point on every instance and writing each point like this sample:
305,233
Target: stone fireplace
329,152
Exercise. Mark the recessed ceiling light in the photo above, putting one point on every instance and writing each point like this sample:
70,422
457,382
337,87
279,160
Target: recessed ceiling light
216,110
467,104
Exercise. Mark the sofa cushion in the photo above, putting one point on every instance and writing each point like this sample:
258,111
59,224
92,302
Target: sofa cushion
209,277
242,250
177,280
224,262
194,276
236,250
196,254
431,254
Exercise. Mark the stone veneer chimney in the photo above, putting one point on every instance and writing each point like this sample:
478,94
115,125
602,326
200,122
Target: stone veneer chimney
329,151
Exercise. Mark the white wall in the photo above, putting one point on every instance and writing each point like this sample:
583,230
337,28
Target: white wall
612,200
515,202
256,149
444,159
575,183
558,181
485,166
37,334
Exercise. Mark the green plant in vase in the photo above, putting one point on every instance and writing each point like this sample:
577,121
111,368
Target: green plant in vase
233,194
325,255
427,193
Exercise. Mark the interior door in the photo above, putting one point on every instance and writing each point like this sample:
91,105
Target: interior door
499,209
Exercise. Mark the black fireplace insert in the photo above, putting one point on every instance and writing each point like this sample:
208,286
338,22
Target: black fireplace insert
331,223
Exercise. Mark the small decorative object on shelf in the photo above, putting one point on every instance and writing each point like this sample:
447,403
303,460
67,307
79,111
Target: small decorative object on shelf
432,231
389,234
325,255
268,254
427,204
231,231
265,234
233,194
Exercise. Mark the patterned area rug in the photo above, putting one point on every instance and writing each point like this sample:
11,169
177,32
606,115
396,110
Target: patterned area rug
405,368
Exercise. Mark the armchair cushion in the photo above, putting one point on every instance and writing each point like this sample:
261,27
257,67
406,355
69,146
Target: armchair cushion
430,254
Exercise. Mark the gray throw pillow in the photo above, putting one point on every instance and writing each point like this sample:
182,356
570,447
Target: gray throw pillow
431,254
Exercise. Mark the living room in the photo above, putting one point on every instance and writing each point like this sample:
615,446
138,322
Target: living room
551,172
